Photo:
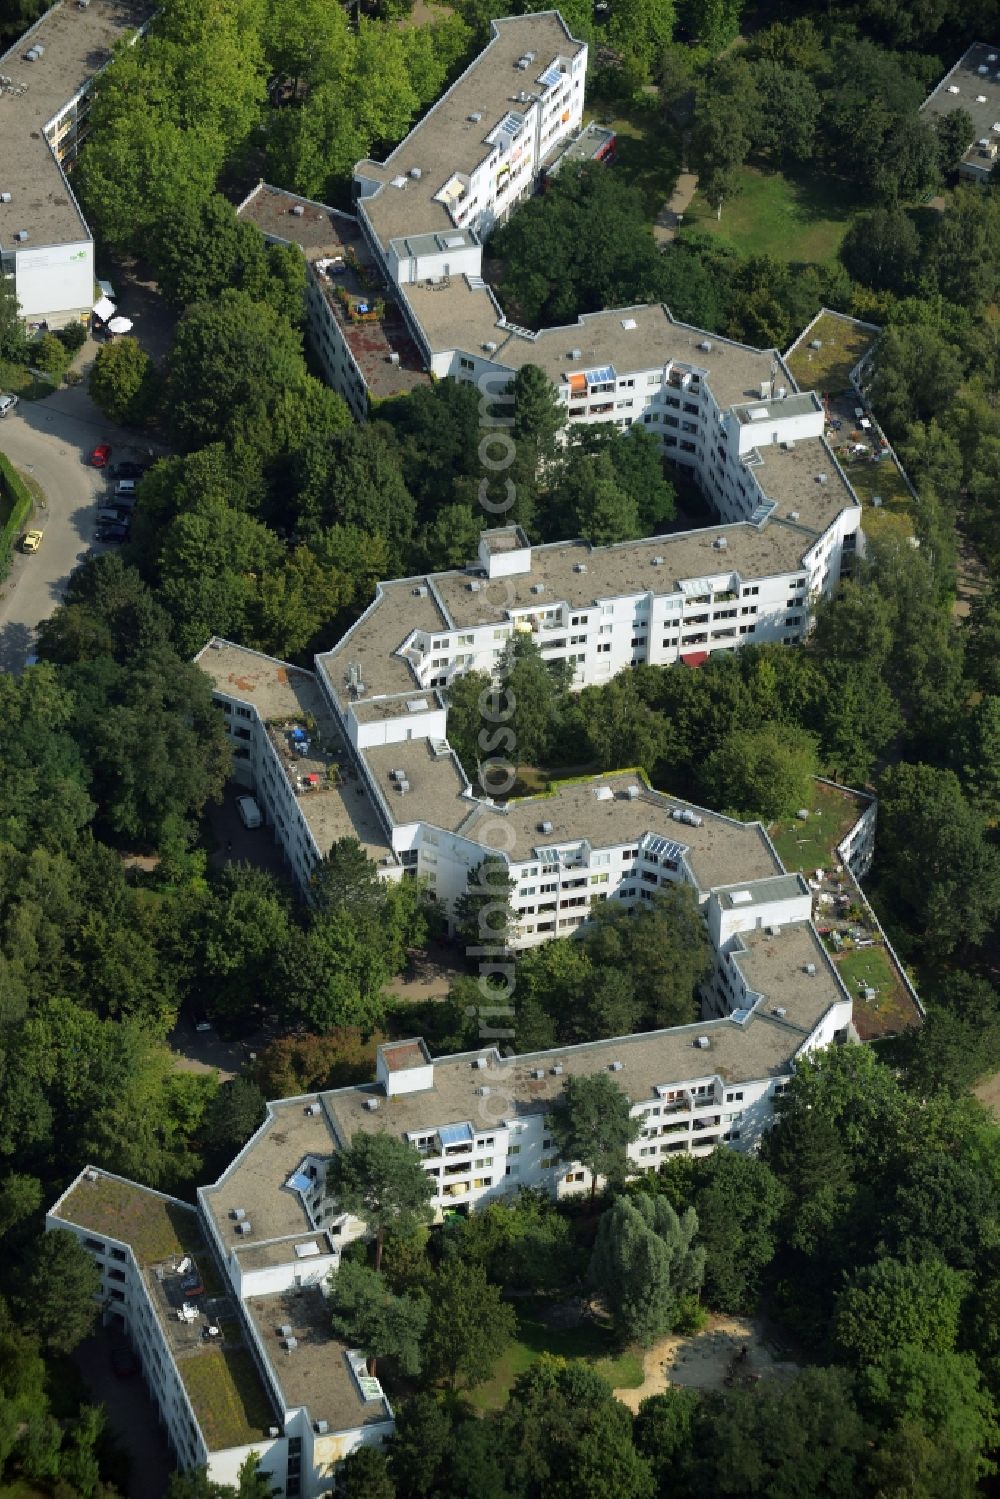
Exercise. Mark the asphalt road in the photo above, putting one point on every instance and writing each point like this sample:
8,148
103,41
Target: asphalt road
50,440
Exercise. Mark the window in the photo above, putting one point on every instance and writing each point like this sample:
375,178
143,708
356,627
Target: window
97,1245
467,364
243,713
547,1162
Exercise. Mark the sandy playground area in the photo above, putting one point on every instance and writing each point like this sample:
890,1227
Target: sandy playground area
704,1361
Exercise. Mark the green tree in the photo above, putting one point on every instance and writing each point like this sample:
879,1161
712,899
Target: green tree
953,892
663,946
470,1325
474,732
335,973
738,1200
243,928
882,249
977,756
57,1291
563,1433
366,1314
364,1474
123,382
766,773
664,1431
644,1261
233,1115
893,1303
535,691
381,1180
537,415
786,128
484,916
593,1124
207,250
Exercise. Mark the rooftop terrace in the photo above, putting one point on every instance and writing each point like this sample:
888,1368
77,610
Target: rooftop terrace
318,1372
763,1047
447,141
718,851
973,84
77,43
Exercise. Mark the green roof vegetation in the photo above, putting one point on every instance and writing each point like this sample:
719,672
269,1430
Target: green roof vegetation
156,1229
894,517
892,1008
228,1398
844,341
805,846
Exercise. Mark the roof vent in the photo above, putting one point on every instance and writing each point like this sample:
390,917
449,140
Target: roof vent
475,586
291,1344
538,587
239,1214
474,117
773,931
702,1043
780,1011
4,197
631,793
580,567
810,968
420,592
545,827
321,1428
244,1227
576,353
91,1174
285,1330
21,236
393,356
616,1066
312,1109
416,173
371,1104
557,1070
298,210
490,346
706,346
272,1431
604,793
538,1073
483,1092
720,543
658,561
822,478
793,515
479,1063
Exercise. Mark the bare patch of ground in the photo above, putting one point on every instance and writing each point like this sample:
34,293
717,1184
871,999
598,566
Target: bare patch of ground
429,974
711,1360
673,211
988,1092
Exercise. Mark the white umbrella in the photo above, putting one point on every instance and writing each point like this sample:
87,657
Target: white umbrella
104,309
120,324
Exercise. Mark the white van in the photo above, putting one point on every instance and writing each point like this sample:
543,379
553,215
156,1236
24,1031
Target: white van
249,812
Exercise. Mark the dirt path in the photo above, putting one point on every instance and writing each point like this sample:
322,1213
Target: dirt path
670,215
988,1092
702,1362
973,577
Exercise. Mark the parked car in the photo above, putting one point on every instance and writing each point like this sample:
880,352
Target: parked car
124,502
112,535
32,541
101,456
249,811
112,516
124,487
7,403
127,470
192,1285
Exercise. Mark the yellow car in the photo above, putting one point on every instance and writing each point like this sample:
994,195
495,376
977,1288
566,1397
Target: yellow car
32,541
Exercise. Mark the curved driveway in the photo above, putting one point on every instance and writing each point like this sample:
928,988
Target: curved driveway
50,440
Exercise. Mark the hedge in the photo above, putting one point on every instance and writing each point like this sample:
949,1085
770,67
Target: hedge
17,499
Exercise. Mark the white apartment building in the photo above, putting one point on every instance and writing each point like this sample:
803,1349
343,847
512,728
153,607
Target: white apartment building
46,80
973,85
224,1305
236,1350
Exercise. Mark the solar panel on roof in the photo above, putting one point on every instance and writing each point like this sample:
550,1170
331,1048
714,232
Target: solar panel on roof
761,512
664,848
455,1134
550,76
299,1181
601,376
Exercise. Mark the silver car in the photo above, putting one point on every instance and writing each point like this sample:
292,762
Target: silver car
7,403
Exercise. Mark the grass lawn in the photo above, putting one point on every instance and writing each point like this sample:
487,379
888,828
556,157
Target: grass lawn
892,1009
870,965
14,377
844,341
810,845
801,218
647,151
228,1398
534,1337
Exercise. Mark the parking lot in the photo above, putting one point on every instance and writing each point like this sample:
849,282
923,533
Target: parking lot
49,441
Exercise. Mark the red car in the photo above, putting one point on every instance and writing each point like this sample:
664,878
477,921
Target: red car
101,454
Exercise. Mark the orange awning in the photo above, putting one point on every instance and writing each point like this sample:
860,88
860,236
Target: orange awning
694,658
578,385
